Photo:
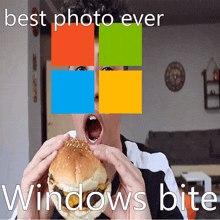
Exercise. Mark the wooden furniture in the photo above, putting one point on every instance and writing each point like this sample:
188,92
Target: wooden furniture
207,94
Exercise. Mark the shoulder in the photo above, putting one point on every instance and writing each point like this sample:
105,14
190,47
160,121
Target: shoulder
72,133
144,157
155,170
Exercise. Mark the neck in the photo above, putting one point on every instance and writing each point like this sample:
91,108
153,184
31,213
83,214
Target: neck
118,139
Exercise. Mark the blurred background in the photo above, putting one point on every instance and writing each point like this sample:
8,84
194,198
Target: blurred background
189,34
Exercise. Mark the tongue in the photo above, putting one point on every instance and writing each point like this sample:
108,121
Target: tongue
94,130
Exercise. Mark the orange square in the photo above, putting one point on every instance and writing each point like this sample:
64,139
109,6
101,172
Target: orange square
120,92
72,45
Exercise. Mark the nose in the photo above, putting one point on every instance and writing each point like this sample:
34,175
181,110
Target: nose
96,97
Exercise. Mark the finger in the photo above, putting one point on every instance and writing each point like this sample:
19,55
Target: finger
121,157
127,177
54,139
44,152
49,149
112,213
119,212
41,169
135,171
108,211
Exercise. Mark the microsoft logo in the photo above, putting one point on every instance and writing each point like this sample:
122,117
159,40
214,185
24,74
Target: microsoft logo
119,91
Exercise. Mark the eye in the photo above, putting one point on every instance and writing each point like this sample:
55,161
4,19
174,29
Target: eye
81,68
107,68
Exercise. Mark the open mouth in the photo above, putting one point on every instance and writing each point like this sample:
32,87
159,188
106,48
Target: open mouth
93,129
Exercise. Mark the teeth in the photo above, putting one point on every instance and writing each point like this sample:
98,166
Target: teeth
92,117
92,141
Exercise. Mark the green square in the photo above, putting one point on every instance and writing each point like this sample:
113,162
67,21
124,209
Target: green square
120,45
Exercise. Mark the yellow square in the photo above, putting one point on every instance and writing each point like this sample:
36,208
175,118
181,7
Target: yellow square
120,92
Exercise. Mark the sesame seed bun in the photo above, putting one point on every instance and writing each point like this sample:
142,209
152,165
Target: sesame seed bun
75,164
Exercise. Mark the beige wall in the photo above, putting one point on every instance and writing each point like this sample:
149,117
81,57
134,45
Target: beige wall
14,140
163,110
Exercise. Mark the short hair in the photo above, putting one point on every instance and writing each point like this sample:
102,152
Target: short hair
117,8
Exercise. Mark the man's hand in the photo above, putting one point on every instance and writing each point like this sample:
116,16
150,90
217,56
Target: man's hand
36,173
131,180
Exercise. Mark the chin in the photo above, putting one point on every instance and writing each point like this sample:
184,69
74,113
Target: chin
76,164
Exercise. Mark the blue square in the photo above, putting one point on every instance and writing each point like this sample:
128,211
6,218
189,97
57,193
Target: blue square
72,92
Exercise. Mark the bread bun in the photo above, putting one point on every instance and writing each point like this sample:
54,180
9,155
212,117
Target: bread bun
76,164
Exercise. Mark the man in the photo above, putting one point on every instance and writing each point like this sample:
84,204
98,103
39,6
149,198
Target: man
130,166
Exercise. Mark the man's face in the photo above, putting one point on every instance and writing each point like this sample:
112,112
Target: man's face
96,128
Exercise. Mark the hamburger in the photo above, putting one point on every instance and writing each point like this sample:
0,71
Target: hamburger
76,164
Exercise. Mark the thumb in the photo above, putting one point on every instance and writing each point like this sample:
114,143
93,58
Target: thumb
108,211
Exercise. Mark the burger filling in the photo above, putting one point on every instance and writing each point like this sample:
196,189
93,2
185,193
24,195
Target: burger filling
74,199
93,128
